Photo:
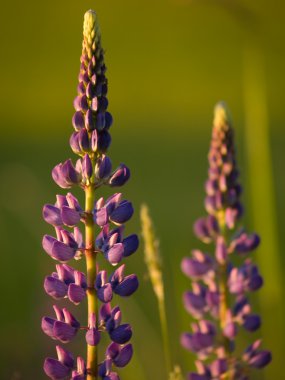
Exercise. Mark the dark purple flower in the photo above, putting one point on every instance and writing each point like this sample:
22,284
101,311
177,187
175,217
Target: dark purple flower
93,335
220,286
81,370
198,266
245,242
120,176
104,288
112,244
61,368
120,355
64,328
123,285
130,244
66,211
103,167
87,169
121,334
195,302
64,247
65,175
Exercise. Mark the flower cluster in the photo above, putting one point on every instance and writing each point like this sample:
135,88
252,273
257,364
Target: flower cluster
219,299
93,169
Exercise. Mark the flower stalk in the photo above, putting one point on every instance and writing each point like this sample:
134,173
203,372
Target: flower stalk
219,299
90,254
93,169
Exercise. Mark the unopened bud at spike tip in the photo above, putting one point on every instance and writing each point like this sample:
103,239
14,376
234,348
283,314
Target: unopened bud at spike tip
222,117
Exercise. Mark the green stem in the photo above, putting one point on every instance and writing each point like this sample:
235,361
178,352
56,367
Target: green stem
165,335
92,357
224,297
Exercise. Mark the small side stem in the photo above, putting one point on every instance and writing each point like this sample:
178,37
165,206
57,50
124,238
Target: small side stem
92,357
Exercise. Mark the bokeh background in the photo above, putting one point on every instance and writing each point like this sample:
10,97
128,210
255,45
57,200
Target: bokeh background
168,61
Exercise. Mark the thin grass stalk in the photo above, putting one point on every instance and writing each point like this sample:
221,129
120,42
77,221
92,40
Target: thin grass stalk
154,265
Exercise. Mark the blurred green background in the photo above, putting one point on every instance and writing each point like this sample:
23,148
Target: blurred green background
168,61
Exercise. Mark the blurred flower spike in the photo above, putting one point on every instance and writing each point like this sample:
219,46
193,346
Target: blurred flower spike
219,298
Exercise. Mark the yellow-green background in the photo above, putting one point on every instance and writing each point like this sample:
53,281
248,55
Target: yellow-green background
168,62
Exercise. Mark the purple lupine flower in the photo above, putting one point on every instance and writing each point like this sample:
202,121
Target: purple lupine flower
219,296
93,168
59,368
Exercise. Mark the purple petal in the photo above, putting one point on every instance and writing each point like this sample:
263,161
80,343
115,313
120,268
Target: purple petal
104,141
131,244
122,334
65,357
83,140
54,287
47,326
128,286
89,120
93,337
90,90
105,312
201,230
196,376
63,331
69,216
194,268
186,341
58,177
252,322
78,120
115,254
230,330
105,293
113,350
194,303
94,141
108,120
124,356
69,173
61,252
100,121
101,217
47,243
55,369
51,215
103,167
61,201
218,367
122,213
260,359
87,169
74,142
76,293
120,176
66,273
70,319
78,238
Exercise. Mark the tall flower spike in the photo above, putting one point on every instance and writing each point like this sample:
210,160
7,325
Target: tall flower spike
93,169
219,300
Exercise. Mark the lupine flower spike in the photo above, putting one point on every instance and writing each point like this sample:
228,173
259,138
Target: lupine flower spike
92,170
219,299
